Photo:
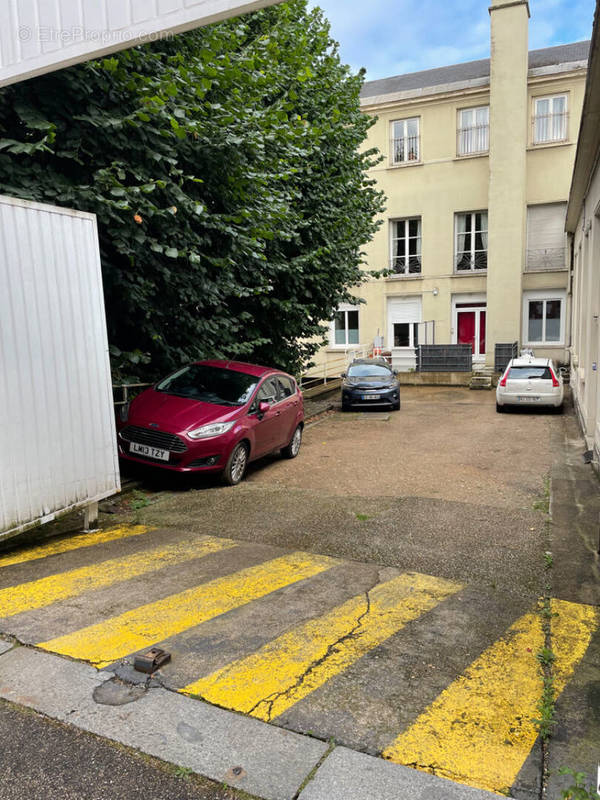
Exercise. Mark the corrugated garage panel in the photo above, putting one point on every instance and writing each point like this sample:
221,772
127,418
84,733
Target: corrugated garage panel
38,36
57,433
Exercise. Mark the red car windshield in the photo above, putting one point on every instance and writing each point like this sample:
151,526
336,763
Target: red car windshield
222,387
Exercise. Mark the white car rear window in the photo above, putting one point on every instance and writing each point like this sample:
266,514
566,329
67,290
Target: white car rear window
529,373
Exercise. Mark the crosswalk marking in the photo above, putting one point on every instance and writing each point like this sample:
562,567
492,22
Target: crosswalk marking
45,591
480,730
292,666
149,624
72,543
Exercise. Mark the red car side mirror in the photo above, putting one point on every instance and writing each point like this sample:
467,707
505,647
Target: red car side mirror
263,407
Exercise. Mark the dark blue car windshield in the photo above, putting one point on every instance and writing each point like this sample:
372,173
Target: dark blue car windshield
223,387
368,371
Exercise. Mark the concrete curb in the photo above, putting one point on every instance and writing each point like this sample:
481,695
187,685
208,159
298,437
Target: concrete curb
347,774
5,646
243,752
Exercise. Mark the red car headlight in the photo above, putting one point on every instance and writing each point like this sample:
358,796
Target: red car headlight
211,430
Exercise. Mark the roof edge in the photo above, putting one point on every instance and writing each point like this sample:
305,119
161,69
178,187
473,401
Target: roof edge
472,84
484,65
587,155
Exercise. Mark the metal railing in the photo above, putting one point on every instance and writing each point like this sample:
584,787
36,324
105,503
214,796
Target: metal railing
406,265
426,332
547,259
125,387
549,127
469,261
406,149
333,366
471,140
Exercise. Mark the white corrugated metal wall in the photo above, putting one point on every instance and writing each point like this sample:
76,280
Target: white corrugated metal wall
57,437
38,36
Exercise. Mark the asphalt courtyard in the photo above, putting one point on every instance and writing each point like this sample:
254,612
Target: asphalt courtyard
381,591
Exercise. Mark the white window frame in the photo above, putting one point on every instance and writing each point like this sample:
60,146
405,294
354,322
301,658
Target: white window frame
344,308
406,158
410,311
565,123
472,251
465,134
541,296
394,238
413,327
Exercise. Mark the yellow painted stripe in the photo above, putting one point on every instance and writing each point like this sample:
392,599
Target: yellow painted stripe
73,543
292,666
108,641
479,731
45,591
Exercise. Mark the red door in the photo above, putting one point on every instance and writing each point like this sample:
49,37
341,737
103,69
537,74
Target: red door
466,328
471,329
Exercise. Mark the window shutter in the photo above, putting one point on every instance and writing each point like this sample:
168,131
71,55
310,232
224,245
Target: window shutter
546,238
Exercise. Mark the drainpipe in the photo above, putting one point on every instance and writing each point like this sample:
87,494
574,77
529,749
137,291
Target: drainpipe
571,248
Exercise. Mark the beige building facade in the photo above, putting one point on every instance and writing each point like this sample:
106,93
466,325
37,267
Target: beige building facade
583,225
476,169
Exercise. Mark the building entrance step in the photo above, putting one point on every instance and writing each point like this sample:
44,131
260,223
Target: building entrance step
480,381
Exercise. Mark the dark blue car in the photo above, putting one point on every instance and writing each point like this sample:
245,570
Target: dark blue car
370,382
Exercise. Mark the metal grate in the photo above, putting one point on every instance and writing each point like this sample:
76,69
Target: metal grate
444,358
468,261
472,139
550,127
406,149
159,439
550,258
503,352
406,265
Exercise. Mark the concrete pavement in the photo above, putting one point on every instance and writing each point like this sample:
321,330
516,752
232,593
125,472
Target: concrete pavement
231,749
575,539
446,532
41,759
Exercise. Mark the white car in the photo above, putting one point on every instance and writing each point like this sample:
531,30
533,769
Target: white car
529,381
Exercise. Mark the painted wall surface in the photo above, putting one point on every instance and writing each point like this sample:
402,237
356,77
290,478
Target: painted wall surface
57,438
507,201
38,36
585,351
442,184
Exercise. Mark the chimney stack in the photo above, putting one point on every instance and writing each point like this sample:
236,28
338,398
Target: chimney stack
507,198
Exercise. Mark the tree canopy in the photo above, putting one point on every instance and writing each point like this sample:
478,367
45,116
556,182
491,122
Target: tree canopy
230,180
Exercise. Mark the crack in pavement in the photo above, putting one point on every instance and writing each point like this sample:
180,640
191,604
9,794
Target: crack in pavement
271,699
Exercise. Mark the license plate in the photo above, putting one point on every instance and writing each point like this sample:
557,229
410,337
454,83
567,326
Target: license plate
370,397
149,452
528,399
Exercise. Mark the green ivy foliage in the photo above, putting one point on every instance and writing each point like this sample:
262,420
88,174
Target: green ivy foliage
228,172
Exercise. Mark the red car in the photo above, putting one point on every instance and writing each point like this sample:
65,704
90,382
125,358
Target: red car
213,416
